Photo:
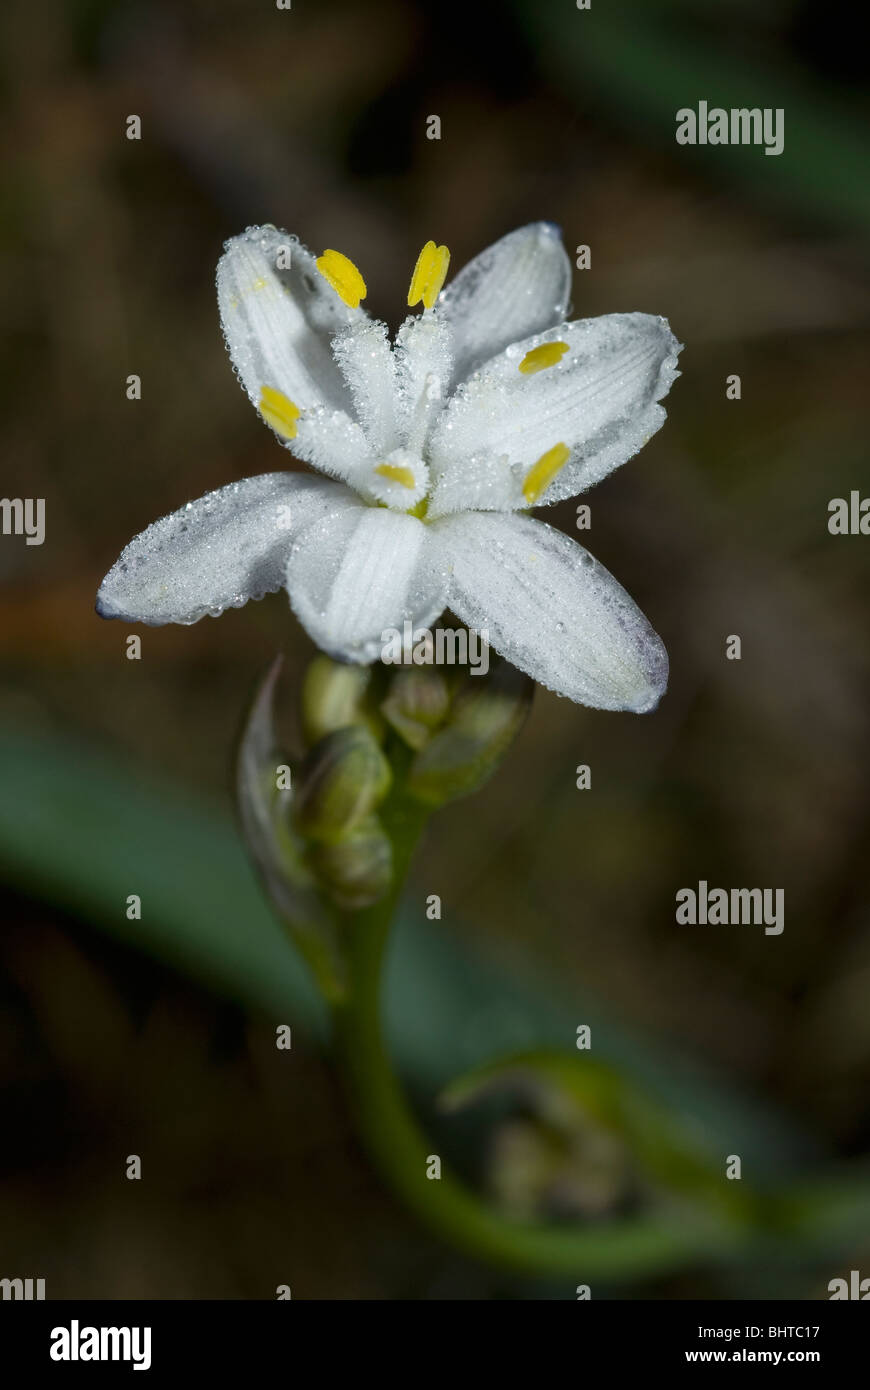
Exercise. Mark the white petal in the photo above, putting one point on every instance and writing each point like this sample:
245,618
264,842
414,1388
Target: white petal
364,354
227,547
600,401
519,286
278,323
483,481
332,443
542,601
423,369
353,576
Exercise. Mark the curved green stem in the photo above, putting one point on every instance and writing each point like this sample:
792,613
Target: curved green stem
823,1215
636,1245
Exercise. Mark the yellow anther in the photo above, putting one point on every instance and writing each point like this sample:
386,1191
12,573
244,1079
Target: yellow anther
343,276
279,411
542,473
545,355
430,272
398,473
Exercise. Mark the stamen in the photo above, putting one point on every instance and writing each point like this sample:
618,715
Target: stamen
544,355
542,473
343,276
430,272
398,473
279,411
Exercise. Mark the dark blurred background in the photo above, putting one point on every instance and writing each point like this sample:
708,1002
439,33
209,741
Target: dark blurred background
157,1038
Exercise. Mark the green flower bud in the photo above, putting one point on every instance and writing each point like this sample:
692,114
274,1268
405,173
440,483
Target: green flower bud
417,702
486,715
538,1170
356,870
560,1150
343,778
336,695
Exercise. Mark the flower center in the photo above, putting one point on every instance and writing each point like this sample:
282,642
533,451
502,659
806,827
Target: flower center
399,391
401,481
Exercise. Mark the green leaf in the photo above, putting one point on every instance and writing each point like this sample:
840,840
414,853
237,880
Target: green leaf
643,64
83,830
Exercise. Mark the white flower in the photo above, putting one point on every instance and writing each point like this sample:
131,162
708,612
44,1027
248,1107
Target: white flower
487,403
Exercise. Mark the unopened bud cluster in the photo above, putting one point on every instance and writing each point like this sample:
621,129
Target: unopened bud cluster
375,737
342,782
429,735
